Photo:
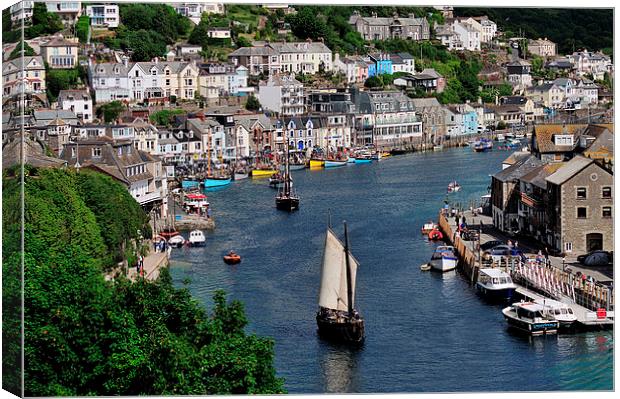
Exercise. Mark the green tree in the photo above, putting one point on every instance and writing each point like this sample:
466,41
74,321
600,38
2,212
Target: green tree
61,79
243,42
82,27
17,52
373,81
110,111
88,336
252,104
306,24
165,116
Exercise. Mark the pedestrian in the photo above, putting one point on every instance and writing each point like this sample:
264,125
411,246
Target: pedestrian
141,260
509,244
546,252
137,267
516,244
209,213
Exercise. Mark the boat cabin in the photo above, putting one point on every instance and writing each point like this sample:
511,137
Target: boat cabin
494,277
529,310
195,203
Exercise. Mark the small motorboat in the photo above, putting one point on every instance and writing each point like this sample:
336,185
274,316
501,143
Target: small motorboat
177,241
435,235
453,187
297,166
530,318
495,284
444,259
558,311
276,180
428,227
232,258
196,238
262,172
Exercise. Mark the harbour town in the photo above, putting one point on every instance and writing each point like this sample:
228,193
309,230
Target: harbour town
307,199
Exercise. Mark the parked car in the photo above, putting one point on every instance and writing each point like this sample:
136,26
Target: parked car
490,244
503,251
596,258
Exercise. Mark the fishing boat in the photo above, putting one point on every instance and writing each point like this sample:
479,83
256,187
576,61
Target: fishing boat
428,227
334,163
240,175
168,232
363,157
232,258
337,319
500,137
351,159
316,163
287,200
558,311
176,241
483,145
495,284
262,172
453,187
216,181
186,184
196,238
376,156
438,147
443,258
529,317
297,166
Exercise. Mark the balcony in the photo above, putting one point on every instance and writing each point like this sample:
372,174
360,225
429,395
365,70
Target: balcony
148,197
531,201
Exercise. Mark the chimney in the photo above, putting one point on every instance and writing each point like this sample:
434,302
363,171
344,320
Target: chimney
374,15
125,60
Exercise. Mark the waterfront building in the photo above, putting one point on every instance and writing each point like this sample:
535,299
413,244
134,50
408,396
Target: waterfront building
555,143
146,135
386,119
68,11
433,118
283,95
120,160
396,27
532,204
580,211
103,15
597,143
77,101
542,47
465,117
60,53
505,193
23,75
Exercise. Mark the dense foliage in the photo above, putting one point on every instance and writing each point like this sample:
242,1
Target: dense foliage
570,28
200,34
62,79
252,104
165,117
82,27
110,111
88,336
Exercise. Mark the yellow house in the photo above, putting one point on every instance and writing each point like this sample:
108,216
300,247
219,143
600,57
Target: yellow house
60,53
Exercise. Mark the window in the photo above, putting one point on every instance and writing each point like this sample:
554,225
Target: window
168,84
607,212
606,192
97,152
568,247
582,212
582,193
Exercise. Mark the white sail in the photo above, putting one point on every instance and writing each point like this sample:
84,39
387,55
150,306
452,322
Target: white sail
333,294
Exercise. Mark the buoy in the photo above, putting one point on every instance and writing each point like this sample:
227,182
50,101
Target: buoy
425,267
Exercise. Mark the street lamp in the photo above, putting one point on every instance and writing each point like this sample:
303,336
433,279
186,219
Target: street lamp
564,263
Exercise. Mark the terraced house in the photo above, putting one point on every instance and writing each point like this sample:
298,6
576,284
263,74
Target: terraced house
396,27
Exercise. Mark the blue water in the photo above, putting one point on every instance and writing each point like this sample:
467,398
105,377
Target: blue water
425,332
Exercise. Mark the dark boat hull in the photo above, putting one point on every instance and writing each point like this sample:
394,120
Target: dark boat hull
348,331
500,295
287,203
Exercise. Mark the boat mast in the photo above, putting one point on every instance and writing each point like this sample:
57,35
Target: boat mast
209,153
346,256
287,187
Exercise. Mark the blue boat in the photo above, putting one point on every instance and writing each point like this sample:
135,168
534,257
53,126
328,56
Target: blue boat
187,184
363,160
334,164
351,160
211,182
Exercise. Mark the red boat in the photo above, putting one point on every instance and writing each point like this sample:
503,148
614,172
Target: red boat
232,258
435,235
168,233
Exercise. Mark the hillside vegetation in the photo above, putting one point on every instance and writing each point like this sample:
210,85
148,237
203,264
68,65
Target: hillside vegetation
88,336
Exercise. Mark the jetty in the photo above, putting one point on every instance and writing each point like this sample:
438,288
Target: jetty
591,302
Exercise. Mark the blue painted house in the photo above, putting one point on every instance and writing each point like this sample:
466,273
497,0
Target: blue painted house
380,64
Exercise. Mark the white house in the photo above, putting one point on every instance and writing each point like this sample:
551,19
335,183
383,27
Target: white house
194,11
282,94
468,34
103,15
21,10
79,102
402,62
68,11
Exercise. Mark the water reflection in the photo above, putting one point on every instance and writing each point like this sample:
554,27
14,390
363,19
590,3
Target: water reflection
339,368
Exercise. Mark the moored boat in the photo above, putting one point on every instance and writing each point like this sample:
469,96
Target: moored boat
287,200
262,172
197,237
444,258
428,227
363,157
435,234
438,147
176,241
297,166
232,258
454,187
276,180
351,160
529,318
215,181
495,284
317,163
337,319
558,311
186,184
376,156
332,163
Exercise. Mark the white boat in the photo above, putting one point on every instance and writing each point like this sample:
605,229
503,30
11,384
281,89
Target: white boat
176,241
197,237
558,311
444,258
530,318
438,147
454,187
500,137
495,284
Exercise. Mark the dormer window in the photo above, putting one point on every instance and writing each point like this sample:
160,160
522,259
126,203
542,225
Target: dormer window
137,73
153,71
563,139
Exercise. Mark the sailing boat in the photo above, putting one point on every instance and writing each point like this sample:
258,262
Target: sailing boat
332,161
214,180
286,200
337,319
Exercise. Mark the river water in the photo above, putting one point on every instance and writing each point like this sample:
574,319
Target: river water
425,332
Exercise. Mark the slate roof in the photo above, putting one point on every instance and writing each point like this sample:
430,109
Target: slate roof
34,155
522,167
21,63
253,51
570,169
538,176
